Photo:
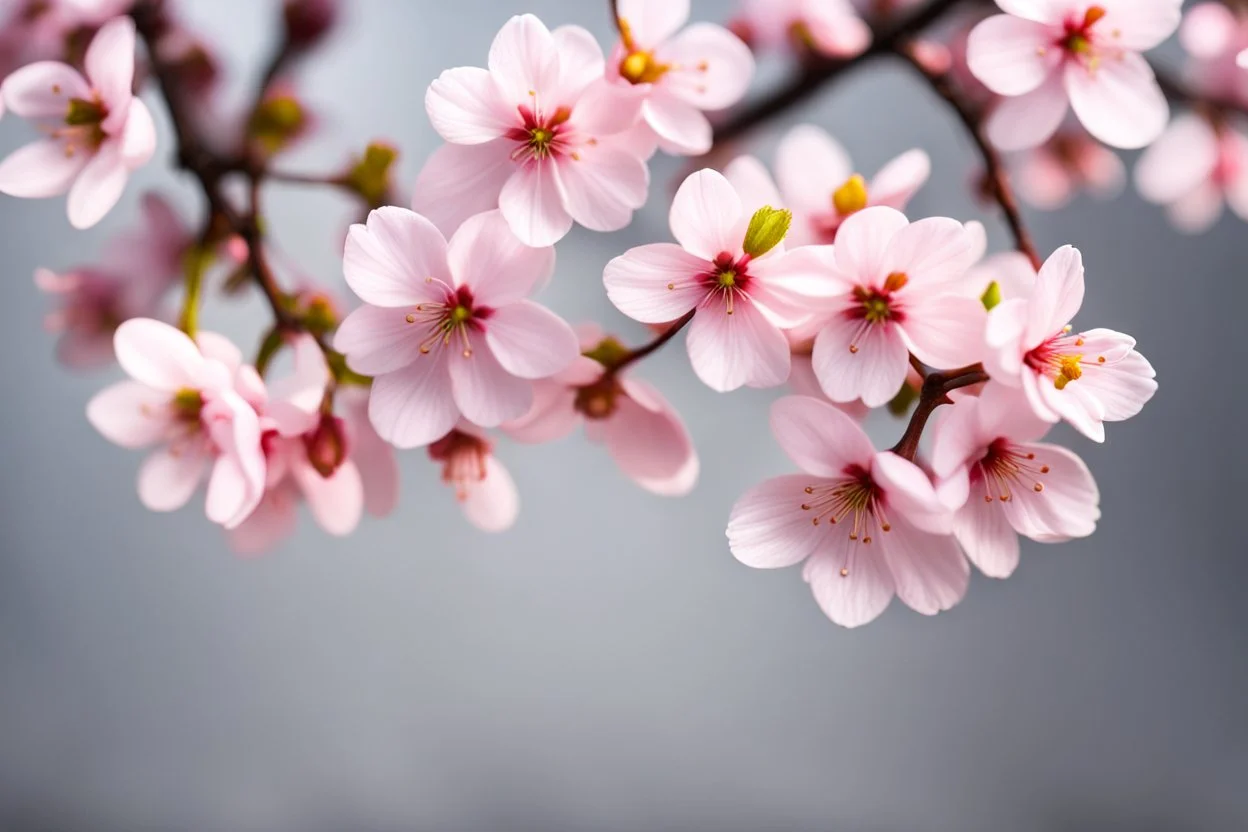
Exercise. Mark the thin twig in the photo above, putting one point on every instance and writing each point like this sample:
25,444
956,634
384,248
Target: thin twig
641,352
935,392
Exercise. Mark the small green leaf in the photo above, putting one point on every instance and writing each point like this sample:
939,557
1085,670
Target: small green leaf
991,296
608,353
768,228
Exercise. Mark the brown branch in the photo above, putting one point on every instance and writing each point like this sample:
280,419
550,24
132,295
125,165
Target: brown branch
935,392
657,343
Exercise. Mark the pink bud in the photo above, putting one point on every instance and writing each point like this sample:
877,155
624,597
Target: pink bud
327,445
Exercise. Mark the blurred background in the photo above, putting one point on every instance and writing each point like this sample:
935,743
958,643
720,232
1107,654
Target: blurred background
607,665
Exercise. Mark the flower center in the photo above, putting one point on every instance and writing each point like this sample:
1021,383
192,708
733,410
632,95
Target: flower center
1078,39
187,405
1004,467
83,124
451,320
540,136
851,197
1060,358
639,67
463,457
598,400
854,497
728,278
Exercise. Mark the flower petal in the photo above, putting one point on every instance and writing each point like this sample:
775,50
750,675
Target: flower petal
98,186
530,341
705,215
985,535
169,476
533,205
492,503
678,123
711,67
485,392
158,355
1011,56
821,439
857,595
1057,296
110,68
131,414
524,59
40,169
378,340
651,22
873,371
863,244
459,181
336,501
1029,120
637,282
601,186
909,492
730,350
900,179
465,106
490,260
946,331
414,406
1119,102
42,90
397,258
768,528
810,165
929,570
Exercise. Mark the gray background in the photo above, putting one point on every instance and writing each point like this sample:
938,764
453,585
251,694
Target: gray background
607,665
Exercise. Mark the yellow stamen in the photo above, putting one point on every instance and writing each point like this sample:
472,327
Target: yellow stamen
850,197
1069,370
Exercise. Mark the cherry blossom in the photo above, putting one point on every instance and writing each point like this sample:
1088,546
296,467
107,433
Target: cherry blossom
36,30
97,131
1193,169
187,397
682,73
1050,175
531,135
1216,39
731,271
446,329
892,290
832,28
868,524
1048,55
1087,378
483,488
642,432
1003,482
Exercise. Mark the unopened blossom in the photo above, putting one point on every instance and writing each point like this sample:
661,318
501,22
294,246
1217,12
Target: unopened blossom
1003,482
894,288
1087,378
1048,55
483,488
832,28
642,432
446,329
1050,175
1216,40
680,72
868,524
730,271
97,132
188,398
532,135
1194,169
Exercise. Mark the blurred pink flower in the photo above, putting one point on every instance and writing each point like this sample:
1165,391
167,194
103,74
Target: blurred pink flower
1195,168
1216,38
831,28
484,489
1050,175
868,524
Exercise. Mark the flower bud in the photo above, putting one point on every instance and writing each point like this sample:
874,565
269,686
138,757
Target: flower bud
307,22
327,445
370,174
278,120
768,228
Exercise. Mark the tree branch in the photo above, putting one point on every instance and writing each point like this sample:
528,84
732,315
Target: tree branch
935,392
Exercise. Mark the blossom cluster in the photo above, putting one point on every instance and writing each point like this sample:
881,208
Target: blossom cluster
806,276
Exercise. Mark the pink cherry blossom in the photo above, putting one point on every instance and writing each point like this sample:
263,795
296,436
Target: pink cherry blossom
643,433
446,330
739,301
187,397
1011,271
868,525
1087,378
1216,39
832,28
1003,482
1046,55
893,289
1195,168
681,73
98,132
36,30
483,488
531,135
818,183
1050,175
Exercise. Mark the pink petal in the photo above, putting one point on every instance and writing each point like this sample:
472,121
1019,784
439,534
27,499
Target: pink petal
414,406
484,391
216,347
42,90
1208,30
637,282
389,260
946,331
678,123
933,252
492,503
1197,211
273,521
131,414
374,459
810,165
336,501
1043,181
524,58
651,22
1039,11
138,136
1011,56
378,340
1003,336
1122,385
533,205
957,438
1029,120
857,597
863,243
836,29
488,258
580,59
601,186
169,477
98,187
874,373
910,493
158,355
752,182
1057,296
530,341
712,67
820,439
40,169
705,215
110,68
1120,102
900,179
459,181
606,109
552,415
465,106
230,496
985,535
1069,505
1141,26
1179,161
730,350
239,476
929,570
648,446
768,529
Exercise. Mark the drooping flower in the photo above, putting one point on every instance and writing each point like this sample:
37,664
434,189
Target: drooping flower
187,397
1087,378
1003,482
1048,55
483,488
681,74
643,433
832,28
1195,168
893,289
98,132
1050,175
532,136
731,271
446,330
868,524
